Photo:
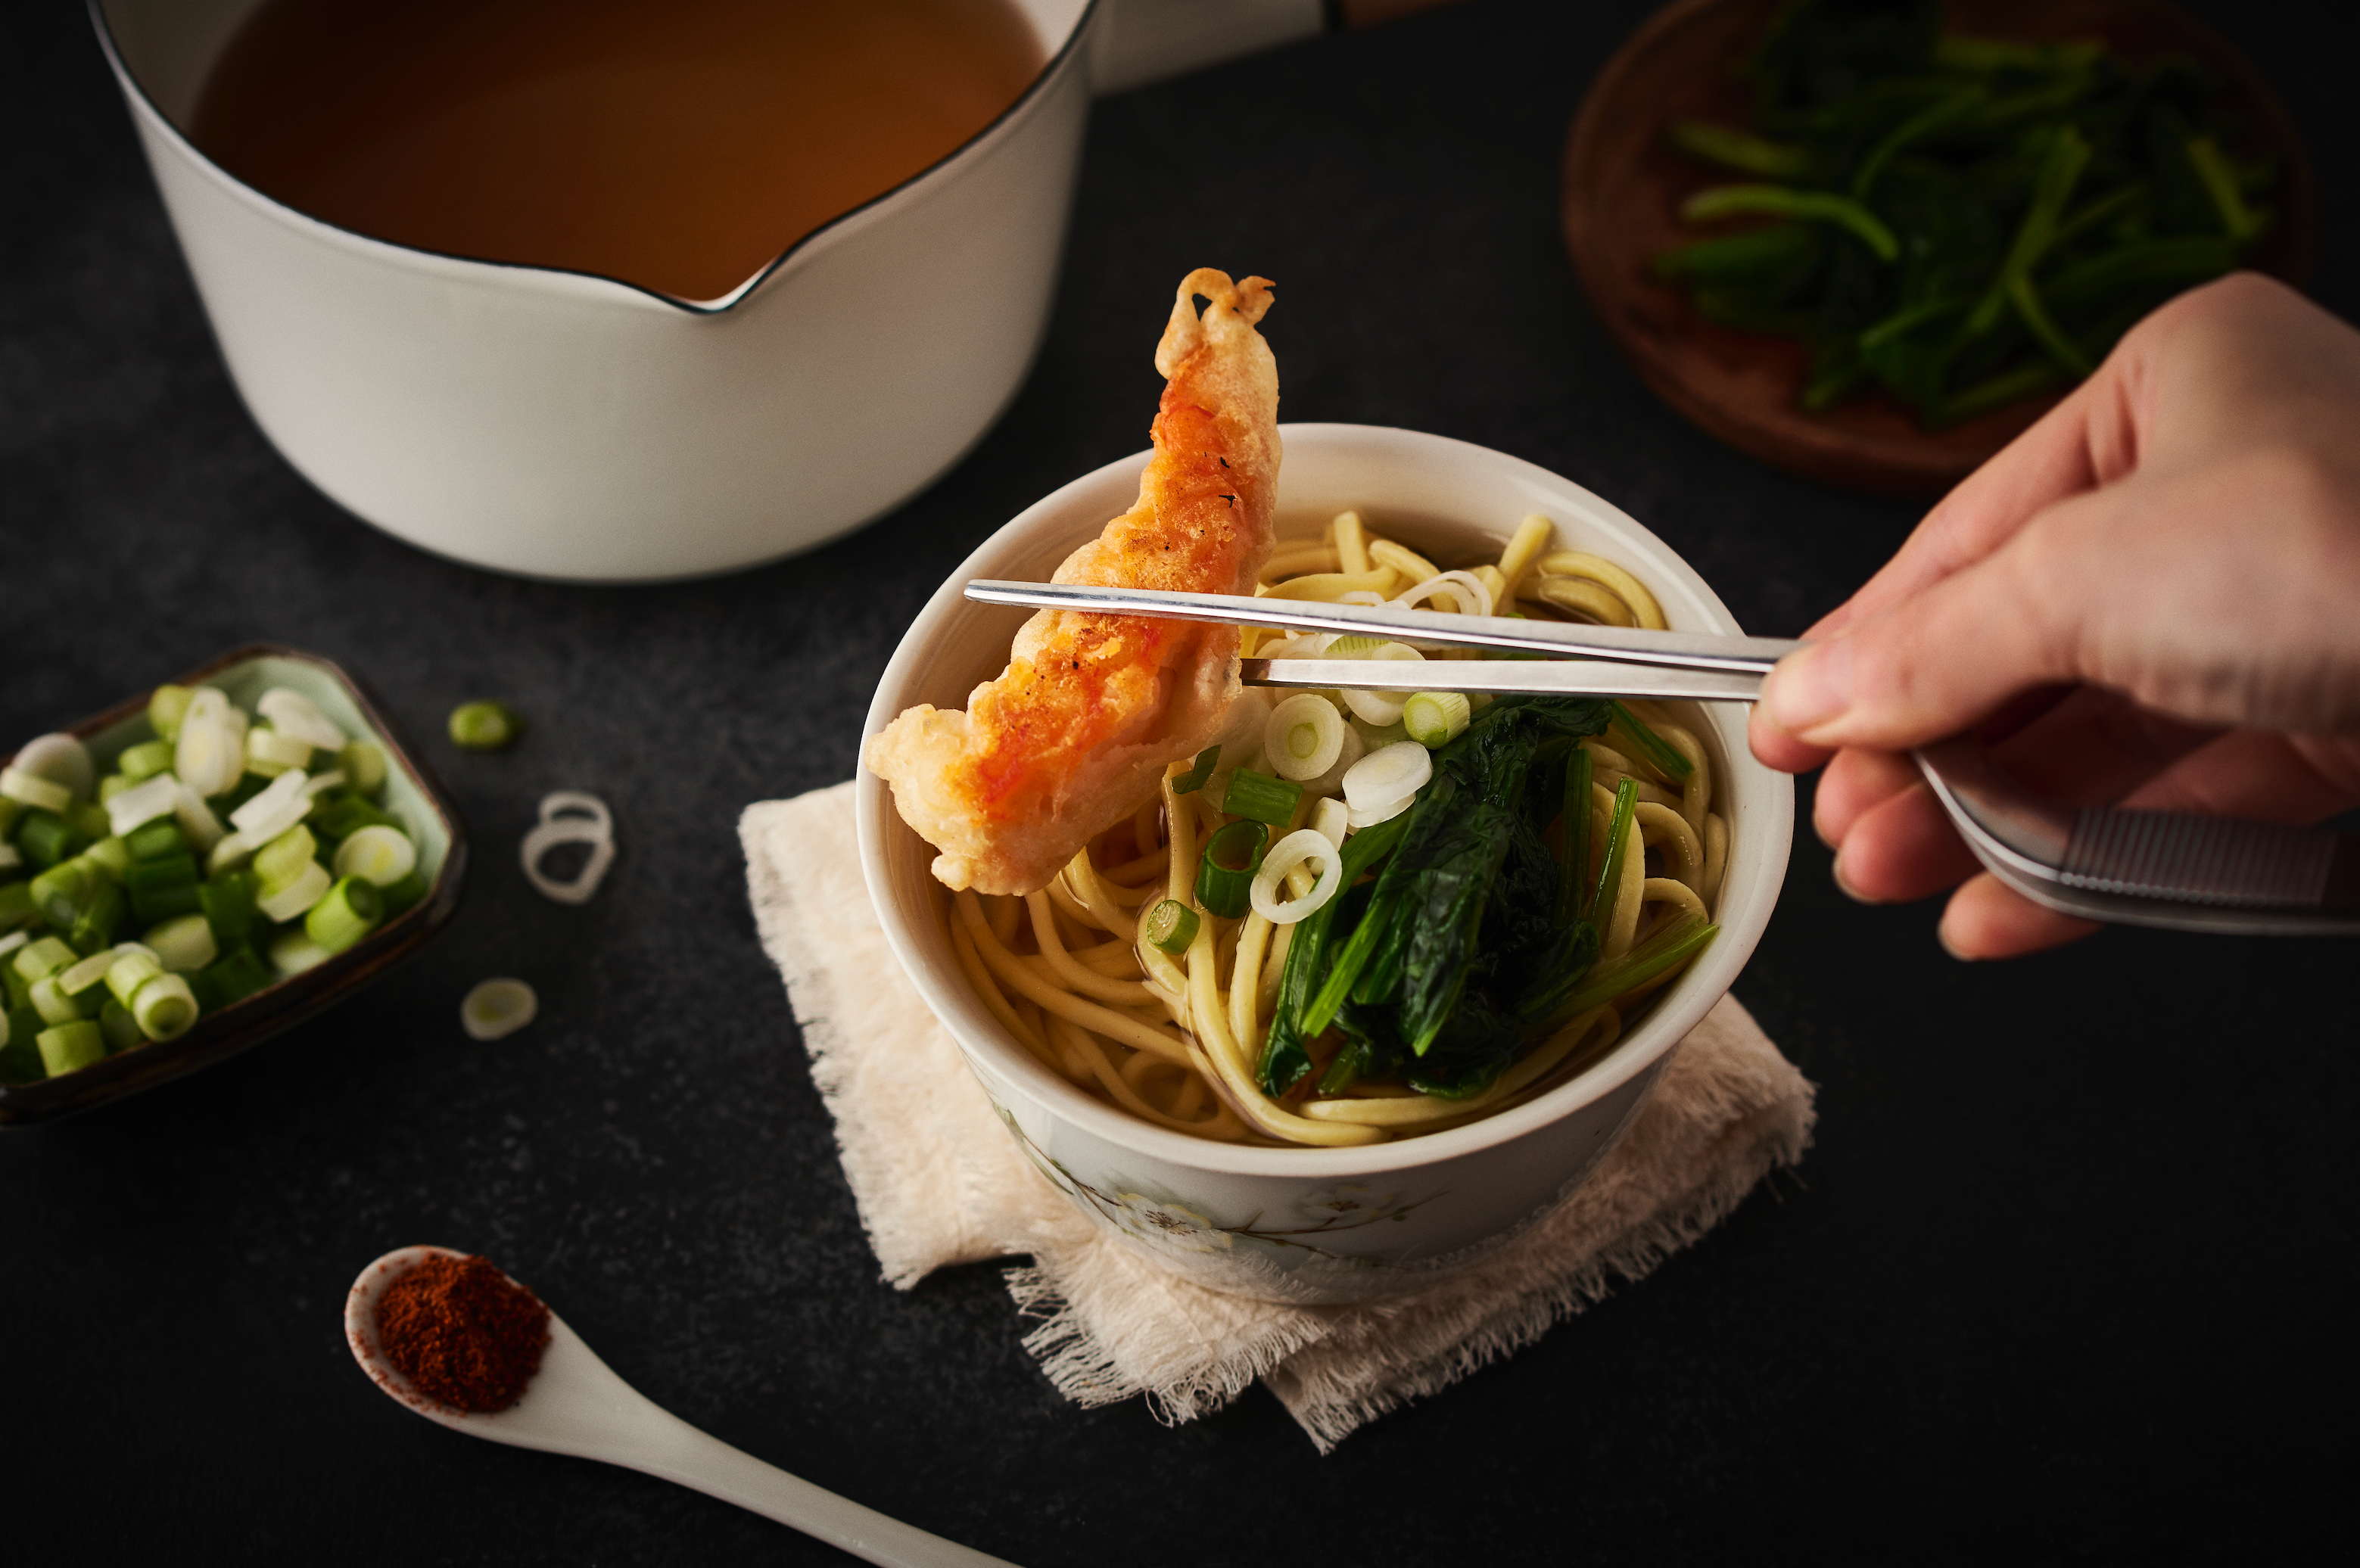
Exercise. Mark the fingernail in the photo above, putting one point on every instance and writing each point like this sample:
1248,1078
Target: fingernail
1942,935
1846,889
1807,688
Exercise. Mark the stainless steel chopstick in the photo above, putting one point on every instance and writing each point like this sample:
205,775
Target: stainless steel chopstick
1500,677
1684,651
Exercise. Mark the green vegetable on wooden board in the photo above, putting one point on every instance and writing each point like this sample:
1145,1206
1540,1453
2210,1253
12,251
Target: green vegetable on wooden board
1963,222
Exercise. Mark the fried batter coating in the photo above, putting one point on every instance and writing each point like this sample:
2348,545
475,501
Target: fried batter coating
1092,708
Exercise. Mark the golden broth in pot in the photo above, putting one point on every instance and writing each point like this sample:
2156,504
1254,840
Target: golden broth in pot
678,146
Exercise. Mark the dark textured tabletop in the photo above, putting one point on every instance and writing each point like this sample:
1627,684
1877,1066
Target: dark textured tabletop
2069,1270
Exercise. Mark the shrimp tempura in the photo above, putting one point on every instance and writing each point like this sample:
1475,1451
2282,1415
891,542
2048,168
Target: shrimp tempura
1093,708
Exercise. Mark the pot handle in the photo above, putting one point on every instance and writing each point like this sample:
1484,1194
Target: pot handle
1140,42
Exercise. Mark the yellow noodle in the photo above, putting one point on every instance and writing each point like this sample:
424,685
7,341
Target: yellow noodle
1274,967
1333,585
1180,849
1696,789
1083,879
1016,976
1145,869
1532,536
1584,599
1007,913
1062,897
1598,568
1288,561
1117,959
1408,562
1144,836
1073,976
1497,584
1094,1055
1352,542
993,998
1716,856
1128,899
1191,1095
1245,981
1222,1049
1666,829
1666,891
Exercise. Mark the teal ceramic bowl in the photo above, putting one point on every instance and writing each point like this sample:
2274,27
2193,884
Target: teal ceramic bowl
411,794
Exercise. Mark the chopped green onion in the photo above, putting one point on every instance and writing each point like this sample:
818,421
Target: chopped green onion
1610,872
227,904
145,760
46,838
100,921
121,1029
165,707
274,809
43,957
292,714
363,766
497,1008
30,789
78,980
1260,797
1435,719
380,857
270,753
412,889
350,910
49,999
1170,925
1354,647
1654,748
1332,818
163,889
165,1007
1225,876
111,786
231,979
156,841
293,952
59,891
485,726
88,819
282,860
1188,783
184,946
197,823
1580,769
70,1045
1304,737
110,856
284,902
341,819
18,909
129,972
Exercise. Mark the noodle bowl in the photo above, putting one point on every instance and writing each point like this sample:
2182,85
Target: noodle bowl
1181,1033
1301,1224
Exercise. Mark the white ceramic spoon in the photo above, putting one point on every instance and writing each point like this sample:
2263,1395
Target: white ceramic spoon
577,1405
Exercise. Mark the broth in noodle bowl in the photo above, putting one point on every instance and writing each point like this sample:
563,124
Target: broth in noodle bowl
1141,976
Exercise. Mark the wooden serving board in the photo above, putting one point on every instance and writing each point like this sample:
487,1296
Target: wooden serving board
1624,181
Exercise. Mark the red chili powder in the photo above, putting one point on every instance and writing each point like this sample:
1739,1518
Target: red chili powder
461,1333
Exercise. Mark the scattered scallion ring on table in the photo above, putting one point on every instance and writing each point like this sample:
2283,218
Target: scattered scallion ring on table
495,1010
570,816
484,726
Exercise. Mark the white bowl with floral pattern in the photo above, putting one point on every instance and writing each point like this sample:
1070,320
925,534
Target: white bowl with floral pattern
1319,1225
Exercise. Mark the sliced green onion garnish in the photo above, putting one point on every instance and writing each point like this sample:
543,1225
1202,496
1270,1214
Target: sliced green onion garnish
485,726
1261,798
129,972
44,956
88,819
59,891
166,707
349,913
270,752
1188,783
111,786
17,907
1654,748
183,945
1435,719
379,856
364,766
496,1008
227,904
292,714
1225,876
145,760
46,838
1610,872
1304,737
67,1046
32,790
294,952
143,803
165,1007
282,860
99,921
232,979
121,1029
110,856
403,894
289,899
50,1000
1170,925
156,841
163,889
79,979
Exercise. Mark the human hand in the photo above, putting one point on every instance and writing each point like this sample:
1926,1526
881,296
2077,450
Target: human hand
2173,551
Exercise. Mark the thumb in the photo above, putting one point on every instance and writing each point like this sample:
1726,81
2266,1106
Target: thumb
1934,663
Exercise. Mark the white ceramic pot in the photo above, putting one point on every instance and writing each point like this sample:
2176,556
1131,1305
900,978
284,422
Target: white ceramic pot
1319,1225
569,426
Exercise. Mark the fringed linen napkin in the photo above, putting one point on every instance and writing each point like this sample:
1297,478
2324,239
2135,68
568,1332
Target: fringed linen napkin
939,1181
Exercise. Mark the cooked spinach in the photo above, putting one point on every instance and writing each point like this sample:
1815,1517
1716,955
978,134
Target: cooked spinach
1961,220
